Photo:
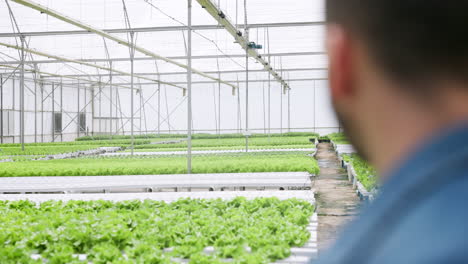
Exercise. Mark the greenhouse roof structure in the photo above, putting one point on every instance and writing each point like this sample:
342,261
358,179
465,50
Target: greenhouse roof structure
83,38
98,51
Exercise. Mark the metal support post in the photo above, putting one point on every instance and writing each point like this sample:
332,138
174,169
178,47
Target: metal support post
13,104
117,109
42,109
269,108
111,100
100,106
22,95
85,111
159,109
35,110
1,109
140,93
189,89
61,109
281,110
93,98
289,110
132,121
53,112
219,105
239,121
246,79
315,109
269,84
78,117
167,111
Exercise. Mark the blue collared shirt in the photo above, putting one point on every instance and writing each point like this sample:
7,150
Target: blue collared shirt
421,215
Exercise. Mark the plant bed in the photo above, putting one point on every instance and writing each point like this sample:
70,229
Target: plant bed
221,163
198,136
261,230
234,142
363,175
339,138
208,152
114,142
215,148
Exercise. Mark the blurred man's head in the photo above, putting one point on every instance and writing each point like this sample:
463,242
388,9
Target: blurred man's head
398,71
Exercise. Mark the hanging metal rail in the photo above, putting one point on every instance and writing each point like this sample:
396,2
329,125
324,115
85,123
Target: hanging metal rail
222,19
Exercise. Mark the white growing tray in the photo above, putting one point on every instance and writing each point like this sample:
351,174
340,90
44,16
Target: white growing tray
285,180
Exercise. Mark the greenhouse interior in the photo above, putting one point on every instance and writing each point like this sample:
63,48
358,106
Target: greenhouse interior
161,131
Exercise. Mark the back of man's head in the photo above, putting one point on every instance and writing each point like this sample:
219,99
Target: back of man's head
412,40
397,66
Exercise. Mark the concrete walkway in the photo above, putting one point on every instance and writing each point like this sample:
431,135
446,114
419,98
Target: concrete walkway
337,202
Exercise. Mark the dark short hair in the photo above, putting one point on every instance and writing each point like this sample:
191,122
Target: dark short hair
412,40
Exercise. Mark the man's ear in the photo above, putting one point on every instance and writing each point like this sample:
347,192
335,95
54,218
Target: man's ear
339,47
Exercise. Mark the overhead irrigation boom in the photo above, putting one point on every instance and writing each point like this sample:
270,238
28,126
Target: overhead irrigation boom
222,19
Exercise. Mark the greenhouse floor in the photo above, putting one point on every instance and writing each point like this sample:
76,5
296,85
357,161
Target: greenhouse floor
177,182
337,202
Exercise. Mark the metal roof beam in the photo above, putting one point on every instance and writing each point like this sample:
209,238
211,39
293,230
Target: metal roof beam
156,29
212,72
72,21
284,54
243,81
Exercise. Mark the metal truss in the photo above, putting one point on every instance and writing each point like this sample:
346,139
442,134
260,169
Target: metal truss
72,21
156,29
284,54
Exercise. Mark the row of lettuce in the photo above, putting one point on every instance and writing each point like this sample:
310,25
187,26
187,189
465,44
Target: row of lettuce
151,143
271,161
244,231
365,173
221,163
